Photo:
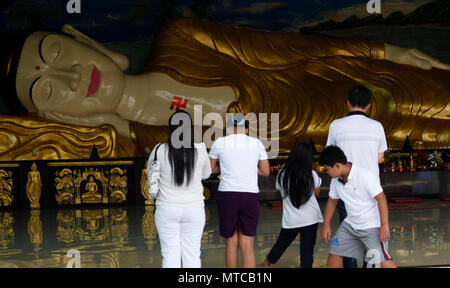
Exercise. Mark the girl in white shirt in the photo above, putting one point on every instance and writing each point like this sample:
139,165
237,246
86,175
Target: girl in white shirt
180,213
299,186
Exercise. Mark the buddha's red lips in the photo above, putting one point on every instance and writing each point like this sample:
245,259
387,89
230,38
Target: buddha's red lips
95,82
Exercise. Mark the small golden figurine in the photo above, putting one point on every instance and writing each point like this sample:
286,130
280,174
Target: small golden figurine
91,195
34,187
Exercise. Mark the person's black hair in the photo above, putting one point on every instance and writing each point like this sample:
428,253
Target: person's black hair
296,176
182,160
332,155
359,97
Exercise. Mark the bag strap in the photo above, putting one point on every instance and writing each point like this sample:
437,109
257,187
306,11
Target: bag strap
156,152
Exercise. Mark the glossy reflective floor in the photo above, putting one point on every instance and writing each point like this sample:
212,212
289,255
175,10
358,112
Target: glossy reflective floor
127,237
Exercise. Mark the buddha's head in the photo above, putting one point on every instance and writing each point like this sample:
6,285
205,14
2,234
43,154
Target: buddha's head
63,72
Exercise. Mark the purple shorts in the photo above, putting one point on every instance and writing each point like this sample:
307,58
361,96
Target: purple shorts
237,211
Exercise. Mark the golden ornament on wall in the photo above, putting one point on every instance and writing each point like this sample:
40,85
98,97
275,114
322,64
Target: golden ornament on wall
91,186
118,185
65,188
34,187
6,186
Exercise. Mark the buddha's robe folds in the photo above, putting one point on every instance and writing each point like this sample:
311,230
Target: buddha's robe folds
303,78
32,137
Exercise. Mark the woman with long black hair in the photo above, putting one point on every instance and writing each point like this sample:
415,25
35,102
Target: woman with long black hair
180,213
299,185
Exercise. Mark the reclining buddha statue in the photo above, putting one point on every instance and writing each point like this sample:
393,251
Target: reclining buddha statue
68,92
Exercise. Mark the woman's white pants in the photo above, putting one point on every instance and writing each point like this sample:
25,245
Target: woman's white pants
180,231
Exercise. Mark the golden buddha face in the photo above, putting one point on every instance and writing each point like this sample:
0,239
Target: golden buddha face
61,74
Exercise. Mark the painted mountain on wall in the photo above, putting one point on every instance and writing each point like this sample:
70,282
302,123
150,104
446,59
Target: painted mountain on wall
433,13
127,20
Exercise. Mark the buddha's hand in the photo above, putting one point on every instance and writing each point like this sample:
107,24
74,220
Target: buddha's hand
414,57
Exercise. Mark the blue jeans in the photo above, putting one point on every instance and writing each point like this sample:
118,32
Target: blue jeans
347,262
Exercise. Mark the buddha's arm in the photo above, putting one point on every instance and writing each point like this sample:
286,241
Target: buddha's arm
261,49
412,57
325,47
255,48
375,50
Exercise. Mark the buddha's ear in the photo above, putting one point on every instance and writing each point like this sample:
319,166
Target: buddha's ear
120,59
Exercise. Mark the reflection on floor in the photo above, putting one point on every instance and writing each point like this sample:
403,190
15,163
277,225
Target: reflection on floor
127,237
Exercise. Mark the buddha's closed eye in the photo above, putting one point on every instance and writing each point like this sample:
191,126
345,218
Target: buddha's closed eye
53,52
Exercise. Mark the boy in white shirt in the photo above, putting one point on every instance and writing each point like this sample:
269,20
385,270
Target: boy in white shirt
366,225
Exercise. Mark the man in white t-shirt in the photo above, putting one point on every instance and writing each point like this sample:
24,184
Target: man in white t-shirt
240,159
366,226
362,139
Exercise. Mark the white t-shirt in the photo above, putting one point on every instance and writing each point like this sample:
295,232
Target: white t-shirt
238,156
185,195
358,195
307,214
361,139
